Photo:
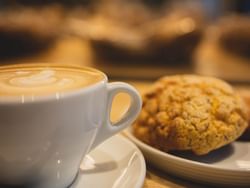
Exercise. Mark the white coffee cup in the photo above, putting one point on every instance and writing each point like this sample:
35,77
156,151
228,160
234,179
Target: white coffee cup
43,138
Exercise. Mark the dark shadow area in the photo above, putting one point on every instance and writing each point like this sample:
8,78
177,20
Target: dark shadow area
245,137
212,157
31,184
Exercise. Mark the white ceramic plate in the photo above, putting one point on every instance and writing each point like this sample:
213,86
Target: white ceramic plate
228,166
117,163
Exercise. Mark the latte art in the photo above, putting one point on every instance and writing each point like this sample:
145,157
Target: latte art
32,80
37,79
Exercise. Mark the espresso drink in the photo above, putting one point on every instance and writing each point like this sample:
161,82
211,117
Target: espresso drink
42,79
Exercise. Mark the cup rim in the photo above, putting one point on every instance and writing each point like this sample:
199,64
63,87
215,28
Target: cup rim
51,96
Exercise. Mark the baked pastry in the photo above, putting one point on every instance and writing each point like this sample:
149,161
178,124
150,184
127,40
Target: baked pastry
189,112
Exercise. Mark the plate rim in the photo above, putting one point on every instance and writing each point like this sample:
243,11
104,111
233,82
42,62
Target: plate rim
129,134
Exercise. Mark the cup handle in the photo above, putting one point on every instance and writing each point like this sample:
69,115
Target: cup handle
109,129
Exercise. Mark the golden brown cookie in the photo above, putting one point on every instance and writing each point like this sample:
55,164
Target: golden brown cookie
189,112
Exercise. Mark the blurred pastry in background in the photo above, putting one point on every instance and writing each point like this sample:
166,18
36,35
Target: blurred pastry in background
189,112
45,2
113,29
126,13
25,31
174,36
136,33
109,40
234,35
224,51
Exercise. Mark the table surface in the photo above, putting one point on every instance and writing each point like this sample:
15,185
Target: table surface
74,50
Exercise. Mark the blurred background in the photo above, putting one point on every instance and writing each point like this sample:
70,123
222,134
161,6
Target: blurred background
136,41
131,39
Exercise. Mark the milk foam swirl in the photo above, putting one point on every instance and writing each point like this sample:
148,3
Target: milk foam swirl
37,79
40,81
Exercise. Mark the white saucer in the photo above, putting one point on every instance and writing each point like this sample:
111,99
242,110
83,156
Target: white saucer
228,166
117,163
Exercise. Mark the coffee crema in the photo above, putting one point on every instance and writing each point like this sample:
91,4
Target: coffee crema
37,79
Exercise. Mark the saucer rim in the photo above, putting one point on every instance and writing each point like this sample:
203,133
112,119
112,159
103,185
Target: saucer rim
142,177
141,161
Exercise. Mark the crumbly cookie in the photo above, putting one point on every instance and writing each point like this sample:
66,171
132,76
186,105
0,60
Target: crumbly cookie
189,112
